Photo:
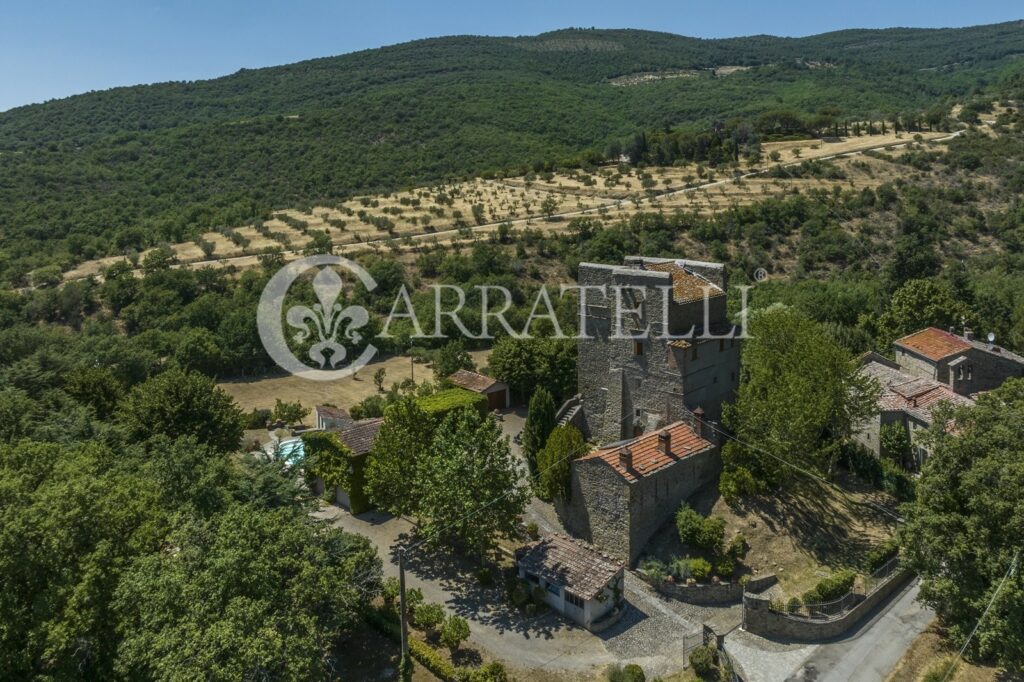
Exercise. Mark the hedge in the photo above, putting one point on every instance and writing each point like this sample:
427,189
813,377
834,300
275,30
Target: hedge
440,404
429,658
833,587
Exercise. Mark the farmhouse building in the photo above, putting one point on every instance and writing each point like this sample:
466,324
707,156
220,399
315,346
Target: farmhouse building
670,351
620,494
907,400
578,581
495,391
330,418
961,362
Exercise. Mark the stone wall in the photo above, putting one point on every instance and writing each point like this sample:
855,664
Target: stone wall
712,594
643,384
654,499
760,619
620,517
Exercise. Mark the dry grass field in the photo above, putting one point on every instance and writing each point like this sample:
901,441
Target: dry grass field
261,391
931,655
463,211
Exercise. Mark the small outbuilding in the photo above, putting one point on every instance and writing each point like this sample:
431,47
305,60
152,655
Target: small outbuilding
496,391
330,418
579,582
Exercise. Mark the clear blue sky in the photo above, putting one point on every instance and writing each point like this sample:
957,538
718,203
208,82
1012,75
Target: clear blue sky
55,48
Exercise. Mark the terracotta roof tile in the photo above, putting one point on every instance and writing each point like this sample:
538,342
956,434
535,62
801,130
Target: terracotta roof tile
360,436
579,568
686,285
934,344
902,392
330,412
472,381
647,455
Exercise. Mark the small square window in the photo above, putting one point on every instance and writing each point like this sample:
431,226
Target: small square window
553,588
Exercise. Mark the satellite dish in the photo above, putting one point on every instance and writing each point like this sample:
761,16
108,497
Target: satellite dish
991,337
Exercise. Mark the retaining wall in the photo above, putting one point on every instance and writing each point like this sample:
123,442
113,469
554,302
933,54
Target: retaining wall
712,594
760,619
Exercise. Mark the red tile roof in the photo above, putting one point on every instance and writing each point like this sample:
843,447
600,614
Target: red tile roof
686,286
330,412
913,395
472,381
647,456
934,344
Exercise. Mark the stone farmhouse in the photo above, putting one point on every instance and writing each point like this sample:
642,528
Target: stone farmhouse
932,367
961,362
497,392
906,400
579,582
622,493
653,366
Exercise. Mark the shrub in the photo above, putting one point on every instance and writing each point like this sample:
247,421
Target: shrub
703,660
737,547
735,484
700,569
431,659
520,594
793,604
442,403
413,598
680,568
627,673
389,590
428,616
654,570
538,594
724,567
454,632
694,529
878,556
489,672
831,588
485,577
532,531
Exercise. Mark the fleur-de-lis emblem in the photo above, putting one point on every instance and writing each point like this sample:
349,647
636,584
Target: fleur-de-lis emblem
326,318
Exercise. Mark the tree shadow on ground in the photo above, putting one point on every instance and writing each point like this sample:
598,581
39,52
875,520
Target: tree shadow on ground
836,529
485,604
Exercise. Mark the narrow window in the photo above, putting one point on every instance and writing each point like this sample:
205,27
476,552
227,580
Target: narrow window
693,354
721,345
638,348
574,600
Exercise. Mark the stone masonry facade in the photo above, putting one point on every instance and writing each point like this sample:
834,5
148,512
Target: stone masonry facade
629,386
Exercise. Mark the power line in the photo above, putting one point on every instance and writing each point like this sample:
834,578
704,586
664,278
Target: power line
1009,572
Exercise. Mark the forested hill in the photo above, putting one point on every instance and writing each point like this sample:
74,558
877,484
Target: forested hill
105,172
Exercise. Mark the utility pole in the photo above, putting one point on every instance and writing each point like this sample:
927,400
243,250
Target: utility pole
401,603
412,368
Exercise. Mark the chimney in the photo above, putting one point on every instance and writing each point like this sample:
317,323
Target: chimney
952,330
626,458
968,334
665,442
698,421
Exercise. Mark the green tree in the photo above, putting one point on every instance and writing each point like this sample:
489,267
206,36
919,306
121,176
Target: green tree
525,363
965,527
799,398
454,632
378,379
895,444
96,387
198,349
393,470
289,412
549,206
540,421
918,304
555,462
450,358
179,403
208,608
470,490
